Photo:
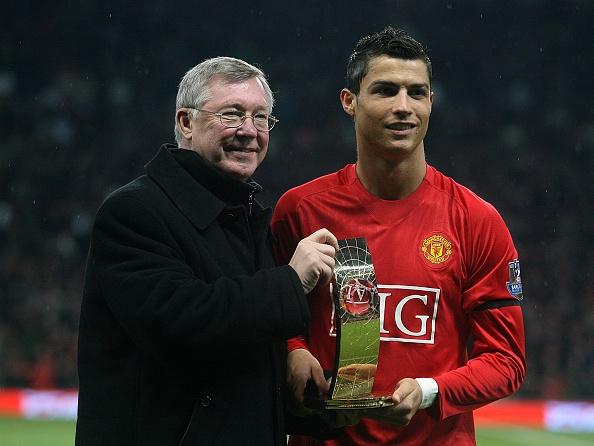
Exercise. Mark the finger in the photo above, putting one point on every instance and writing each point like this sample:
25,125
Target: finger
325,275
324,236
325,249
328,260
318,376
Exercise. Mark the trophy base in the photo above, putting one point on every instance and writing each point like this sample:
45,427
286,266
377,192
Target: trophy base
372,402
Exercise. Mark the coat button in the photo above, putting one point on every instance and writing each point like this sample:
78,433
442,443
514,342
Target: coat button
205,401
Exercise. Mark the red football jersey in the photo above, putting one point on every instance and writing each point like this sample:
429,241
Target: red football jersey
449,284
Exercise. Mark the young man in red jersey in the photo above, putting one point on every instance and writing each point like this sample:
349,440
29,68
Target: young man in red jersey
447,270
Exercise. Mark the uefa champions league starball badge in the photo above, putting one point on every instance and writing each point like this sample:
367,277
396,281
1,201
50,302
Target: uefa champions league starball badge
356,311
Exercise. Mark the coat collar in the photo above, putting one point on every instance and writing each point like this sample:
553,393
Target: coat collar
191,193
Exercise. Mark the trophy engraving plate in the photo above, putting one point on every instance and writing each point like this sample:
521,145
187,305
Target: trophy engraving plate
356,303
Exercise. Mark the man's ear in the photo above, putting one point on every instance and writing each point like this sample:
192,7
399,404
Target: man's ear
348,101
184,122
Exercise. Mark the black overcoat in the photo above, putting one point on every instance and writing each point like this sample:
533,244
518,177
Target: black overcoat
184,315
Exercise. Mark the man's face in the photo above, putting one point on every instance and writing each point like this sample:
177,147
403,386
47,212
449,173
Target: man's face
234,151
391,111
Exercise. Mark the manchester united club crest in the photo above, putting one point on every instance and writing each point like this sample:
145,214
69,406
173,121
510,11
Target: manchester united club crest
437,249
514,286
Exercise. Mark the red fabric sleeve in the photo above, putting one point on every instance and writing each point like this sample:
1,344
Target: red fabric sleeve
497,361
496,367
296,342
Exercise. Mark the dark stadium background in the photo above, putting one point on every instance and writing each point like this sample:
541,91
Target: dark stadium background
87,94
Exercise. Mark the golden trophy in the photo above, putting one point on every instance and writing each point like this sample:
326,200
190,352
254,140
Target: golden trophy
356,303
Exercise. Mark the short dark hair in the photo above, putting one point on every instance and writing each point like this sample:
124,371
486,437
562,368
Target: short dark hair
391,42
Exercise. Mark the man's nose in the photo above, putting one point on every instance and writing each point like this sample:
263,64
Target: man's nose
248,128
401,102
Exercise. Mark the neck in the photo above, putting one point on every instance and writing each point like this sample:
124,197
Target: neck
391,179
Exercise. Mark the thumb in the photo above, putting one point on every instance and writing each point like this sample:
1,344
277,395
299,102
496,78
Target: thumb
396,397
399,393
403,389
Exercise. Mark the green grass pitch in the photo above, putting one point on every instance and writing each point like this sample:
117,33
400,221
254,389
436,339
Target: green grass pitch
18,432
359,342
522,436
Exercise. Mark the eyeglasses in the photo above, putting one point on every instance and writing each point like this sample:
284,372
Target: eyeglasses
236,118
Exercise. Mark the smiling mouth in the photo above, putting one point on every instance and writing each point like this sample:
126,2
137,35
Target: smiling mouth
239,149
400,126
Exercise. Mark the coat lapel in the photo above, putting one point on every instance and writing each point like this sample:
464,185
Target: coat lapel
203,209
190,197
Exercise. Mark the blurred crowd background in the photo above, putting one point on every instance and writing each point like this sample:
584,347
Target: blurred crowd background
87,92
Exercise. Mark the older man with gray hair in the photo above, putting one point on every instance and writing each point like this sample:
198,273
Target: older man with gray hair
184,314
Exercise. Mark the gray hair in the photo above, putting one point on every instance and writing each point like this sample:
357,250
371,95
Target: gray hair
193,89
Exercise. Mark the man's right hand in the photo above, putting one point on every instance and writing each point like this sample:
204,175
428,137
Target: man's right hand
313,259
301,367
